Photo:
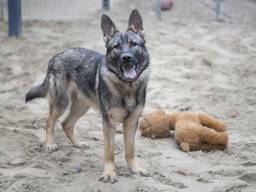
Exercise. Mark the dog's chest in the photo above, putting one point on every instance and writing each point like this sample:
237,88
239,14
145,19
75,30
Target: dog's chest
129,102
127,96
117,114
120,94
124,106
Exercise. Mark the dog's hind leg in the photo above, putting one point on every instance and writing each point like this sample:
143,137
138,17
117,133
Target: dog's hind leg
50,141
58,102
78,109
211,122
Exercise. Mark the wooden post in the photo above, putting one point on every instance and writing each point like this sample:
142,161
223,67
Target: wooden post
14,18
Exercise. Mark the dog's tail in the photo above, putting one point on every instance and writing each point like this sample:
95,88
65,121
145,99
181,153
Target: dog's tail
38,91
211,122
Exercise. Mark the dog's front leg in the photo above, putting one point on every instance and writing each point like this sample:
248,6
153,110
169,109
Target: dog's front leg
109,174
130,127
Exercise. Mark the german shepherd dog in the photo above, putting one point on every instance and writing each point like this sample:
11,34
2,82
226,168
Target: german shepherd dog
114,83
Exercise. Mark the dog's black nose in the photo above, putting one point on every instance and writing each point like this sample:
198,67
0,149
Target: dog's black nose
126,58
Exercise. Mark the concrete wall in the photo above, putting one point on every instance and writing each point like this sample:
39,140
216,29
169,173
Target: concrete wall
56,9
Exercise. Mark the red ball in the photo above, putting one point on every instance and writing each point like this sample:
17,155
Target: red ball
166,4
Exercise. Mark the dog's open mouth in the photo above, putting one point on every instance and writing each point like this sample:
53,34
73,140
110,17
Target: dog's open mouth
129,72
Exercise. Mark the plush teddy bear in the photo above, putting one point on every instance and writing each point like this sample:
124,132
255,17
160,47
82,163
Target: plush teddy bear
193,131
155,125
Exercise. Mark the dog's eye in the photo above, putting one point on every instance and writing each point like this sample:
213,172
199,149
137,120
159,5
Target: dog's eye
117,46
133,44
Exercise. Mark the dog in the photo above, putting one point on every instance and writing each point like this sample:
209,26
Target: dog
114,83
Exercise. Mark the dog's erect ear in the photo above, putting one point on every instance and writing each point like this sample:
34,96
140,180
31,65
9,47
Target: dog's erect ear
108,27
135,22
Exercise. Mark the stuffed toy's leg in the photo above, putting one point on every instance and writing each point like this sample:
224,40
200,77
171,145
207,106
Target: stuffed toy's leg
211,136
185,147
211,122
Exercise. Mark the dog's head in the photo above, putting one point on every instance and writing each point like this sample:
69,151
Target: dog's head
127,55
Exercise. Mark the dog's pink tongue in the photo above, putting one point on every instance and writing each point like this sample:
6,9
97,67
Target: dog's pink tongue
130,73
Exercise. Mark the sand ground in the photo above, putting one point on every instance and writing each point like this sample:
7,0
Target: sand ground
197,65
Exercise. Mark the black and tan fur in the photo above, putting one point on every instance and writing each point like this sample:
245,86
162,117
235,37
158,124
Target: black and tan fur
114,83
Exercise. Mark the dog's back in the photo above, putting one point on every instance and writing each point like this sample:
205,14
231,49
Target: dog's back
77,64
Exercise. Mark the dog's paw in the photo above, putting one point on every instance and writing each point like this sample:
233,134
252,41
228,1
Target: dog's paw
51,147
109,176
139,171
81,145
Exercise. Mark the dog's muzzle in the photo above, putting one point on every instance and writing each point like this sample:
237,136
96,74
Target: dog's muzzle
128,67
